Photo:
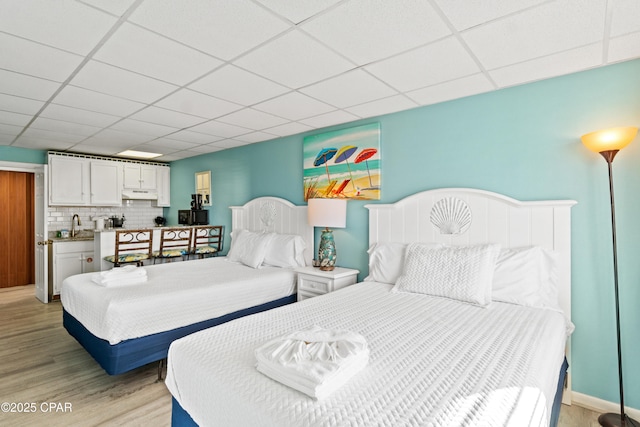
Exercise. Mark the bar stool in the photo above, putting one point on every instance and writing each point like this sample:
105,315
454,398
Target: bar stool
132,246
174,243
207,240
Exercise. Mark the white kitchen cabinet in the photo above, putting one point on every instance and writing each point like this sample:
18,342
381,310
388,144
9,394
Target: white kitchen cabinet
164,186
140,176
106,183
68,259
68,181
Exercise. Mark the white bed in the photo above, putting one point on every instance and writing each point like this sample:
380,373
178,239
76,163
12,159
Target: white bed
434,361
124,327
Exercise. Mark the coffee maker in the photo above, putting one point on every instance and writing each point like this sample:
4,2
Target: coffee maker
196,202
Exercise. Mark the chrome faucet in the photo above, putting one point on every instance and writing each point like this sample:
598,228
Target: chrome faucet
73,224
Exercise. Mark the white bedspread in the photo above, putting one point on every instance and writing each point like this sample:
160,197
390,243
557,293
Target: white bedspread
174,295
433,362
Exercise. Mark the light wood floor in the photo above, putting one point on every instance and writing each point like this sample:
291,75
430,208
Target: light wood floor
41,364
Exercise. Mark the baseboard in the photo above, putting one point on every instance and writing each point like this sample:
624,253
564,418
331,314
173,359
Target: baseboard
601,406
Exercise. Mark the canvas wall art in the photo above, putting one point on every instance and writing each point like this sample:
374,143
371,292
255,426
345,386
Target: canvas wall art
343,163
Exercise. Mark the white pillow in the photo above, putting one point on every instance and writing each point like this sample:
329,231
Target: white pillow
285,250
249,247
526,276
463,273
386,260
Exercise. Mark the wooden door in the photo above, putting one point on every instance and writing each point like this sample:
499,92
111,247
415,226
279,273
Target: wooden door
16,229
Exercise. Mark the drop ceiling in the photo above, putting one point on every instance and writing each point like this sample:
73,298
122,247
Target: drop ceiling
187,78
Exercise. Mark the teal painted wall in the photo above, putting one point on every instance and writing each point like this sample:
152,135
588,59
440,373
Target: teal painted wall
23,155
523,142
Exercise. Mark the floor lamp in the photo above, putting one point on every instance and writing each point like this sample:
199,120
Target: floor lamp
608,142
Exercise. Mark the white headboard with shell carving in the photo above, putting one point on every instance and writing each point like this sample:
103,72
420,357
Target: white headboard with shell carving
463,216
273,214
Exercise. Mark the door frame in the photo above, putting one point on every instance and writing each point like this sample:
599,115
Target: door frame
42,292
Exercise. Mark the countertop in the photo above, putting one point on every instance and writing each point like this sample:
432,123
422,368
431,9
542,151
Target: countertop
82,235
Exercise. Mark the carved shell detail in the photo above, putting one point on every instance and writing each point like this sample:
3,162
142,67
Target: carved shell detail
267,213
451,215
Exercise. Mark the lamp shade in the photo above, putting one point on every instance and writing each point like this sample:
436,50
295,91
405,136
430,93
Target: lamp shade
609,139
327,213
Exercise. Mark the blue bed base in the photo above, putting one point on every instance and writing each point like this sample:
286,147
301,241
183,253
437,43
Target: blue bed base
133,353
180,417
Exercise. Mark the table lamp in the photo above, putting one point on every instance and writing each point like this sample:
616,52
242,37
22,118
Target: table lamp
327,213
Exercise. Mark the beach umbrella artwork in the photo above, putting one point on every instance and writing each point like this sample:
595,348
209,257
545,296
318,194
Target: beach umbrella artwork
323,157
343,156
365,155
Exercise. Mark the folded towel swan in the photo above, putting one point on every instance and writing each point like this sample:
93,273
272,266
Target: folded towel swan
316,361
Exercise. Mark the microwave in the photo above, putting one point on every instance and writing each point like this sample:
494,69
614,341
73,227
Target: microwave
193,217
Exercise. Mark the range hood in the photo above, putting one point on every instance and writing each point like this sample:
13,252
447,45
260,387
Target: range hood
139,195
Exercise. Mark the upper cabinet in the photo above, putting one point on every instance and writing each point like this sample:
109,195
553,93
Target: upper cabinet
80,181
140,176
106,183
68,181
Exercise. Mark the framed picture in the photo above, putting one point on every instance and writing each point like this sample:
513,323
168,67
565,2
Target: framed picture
343,164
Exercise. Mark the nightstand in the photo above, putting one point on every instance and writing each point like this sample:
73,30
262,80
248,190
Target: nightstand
313,282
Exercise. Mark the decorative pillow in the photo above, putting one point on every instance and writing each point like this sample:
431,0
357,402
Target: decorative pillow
463,273
249,247
285,250
526,276
386,261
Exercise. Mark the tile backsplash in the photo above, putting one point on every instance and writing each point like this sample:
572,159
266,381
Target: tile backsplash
137,213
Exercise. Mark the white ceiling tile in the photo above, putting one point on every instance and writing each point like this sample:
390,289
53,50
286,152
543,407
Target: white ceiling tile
208,148
352,88
43,123
237,85
11,130
255,137
379,107
624,47
252,119
36,143
115,7
298,11
626,17
366,31
56,23
118,138
85,99
166,117
465,14
224,28
546,29
197,104
435,63
31,58
230,143
178,155
76,115
460,88
6,139
15,119
143,128
222,130
19,105
115,81
549,66
172,144
294,60
334,117
294,106
149,147
26,86
144,52
195,137
290,128
52,135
